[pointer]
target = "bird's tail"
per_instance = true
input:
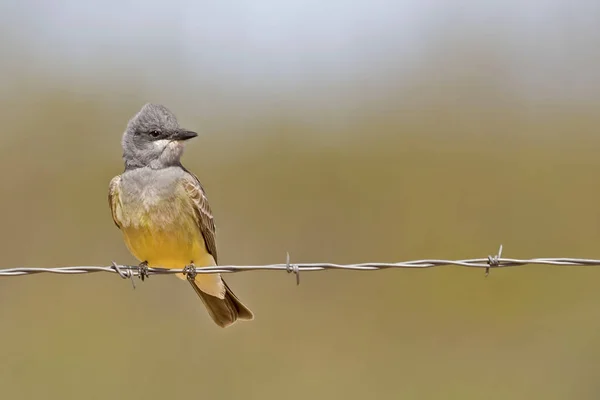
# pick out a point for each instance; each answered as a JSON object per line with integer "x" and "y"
{"x": 223, "y": 311}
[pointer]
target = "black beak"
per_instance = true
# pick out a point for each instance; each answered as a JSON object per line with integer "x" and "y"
{"x": 182, "y": 134}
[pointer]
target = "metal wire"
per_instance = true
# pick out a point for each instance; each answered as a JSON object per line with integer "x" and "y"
{"x": 128, "y": 271}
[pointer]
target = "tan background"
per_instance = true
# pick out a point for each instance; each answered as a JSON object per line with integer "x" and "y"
{"x": 448, "y": 160}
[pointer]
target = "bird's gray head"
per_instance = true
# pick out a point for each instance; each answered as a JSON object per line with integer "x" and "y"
{"x": 154, "y": 139}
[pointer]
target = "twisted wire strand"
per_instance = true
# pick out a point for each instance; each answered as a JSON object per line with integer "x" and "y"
{"x": 130, "y": 271}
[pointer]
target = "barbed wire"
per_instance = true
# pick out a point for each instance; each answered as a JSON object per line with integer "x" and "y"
{"x": 142, "y": 271}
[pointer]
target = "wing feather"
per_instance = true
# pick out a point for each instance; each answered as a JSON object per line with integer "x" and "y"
{"x": 204, "y": 214}
{"x": 113, "y": 198}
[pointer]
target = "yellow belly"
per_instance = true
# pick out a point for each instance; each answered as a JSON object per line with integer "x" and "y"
{"x": 173, "y": 245}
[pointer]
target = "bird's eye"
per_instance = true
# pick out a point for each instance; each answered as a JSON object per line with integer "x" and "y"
{"x": 155, "y": 133}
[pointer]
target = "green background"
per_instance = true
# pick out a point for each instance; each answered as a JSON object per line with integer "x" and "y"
{"x": 450, "y": 163}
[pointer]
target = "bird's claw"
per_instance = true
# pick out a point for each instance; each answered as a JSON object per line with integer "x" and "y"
{"x": 190, "y": 271}
{"x": 143, "y": 270}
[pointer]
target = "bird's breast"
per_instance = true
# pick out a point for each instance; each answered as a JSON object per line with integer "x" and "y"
{"x": 160, "y": 226}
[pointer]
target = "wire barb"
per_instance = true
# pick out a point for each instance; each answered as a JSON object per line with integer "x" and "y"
{"x": 292, "y": 268}
{"x": 124, "y": 274}
{"x": 493, "y": 261}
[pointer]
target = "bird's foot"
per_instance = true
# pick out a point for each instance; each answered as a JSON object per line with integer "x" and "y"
{"x": 143, "y": 270}
{"x": 190, "y": 271}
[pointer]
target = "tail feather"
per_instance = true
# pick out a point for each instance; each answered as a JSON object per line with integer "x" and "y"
{"x": 223, "y": 311}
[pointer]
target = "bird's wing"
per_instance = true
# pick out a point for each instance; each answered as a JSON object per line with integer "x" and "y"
{"x": 113, "y": 198}
{"x": 203, "y": 212}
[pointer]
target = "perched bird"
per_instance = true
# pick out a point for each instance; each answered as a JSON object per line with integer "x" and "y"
{"x": 162, "y": 210}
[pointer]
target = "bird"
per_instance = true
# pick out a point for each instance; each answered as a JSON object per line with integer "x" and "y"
{"x": 163, "y": 212}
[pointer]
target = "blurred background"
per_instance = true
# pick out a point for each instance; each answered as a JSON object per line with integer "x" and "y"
{"x": 341, "y": 132}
